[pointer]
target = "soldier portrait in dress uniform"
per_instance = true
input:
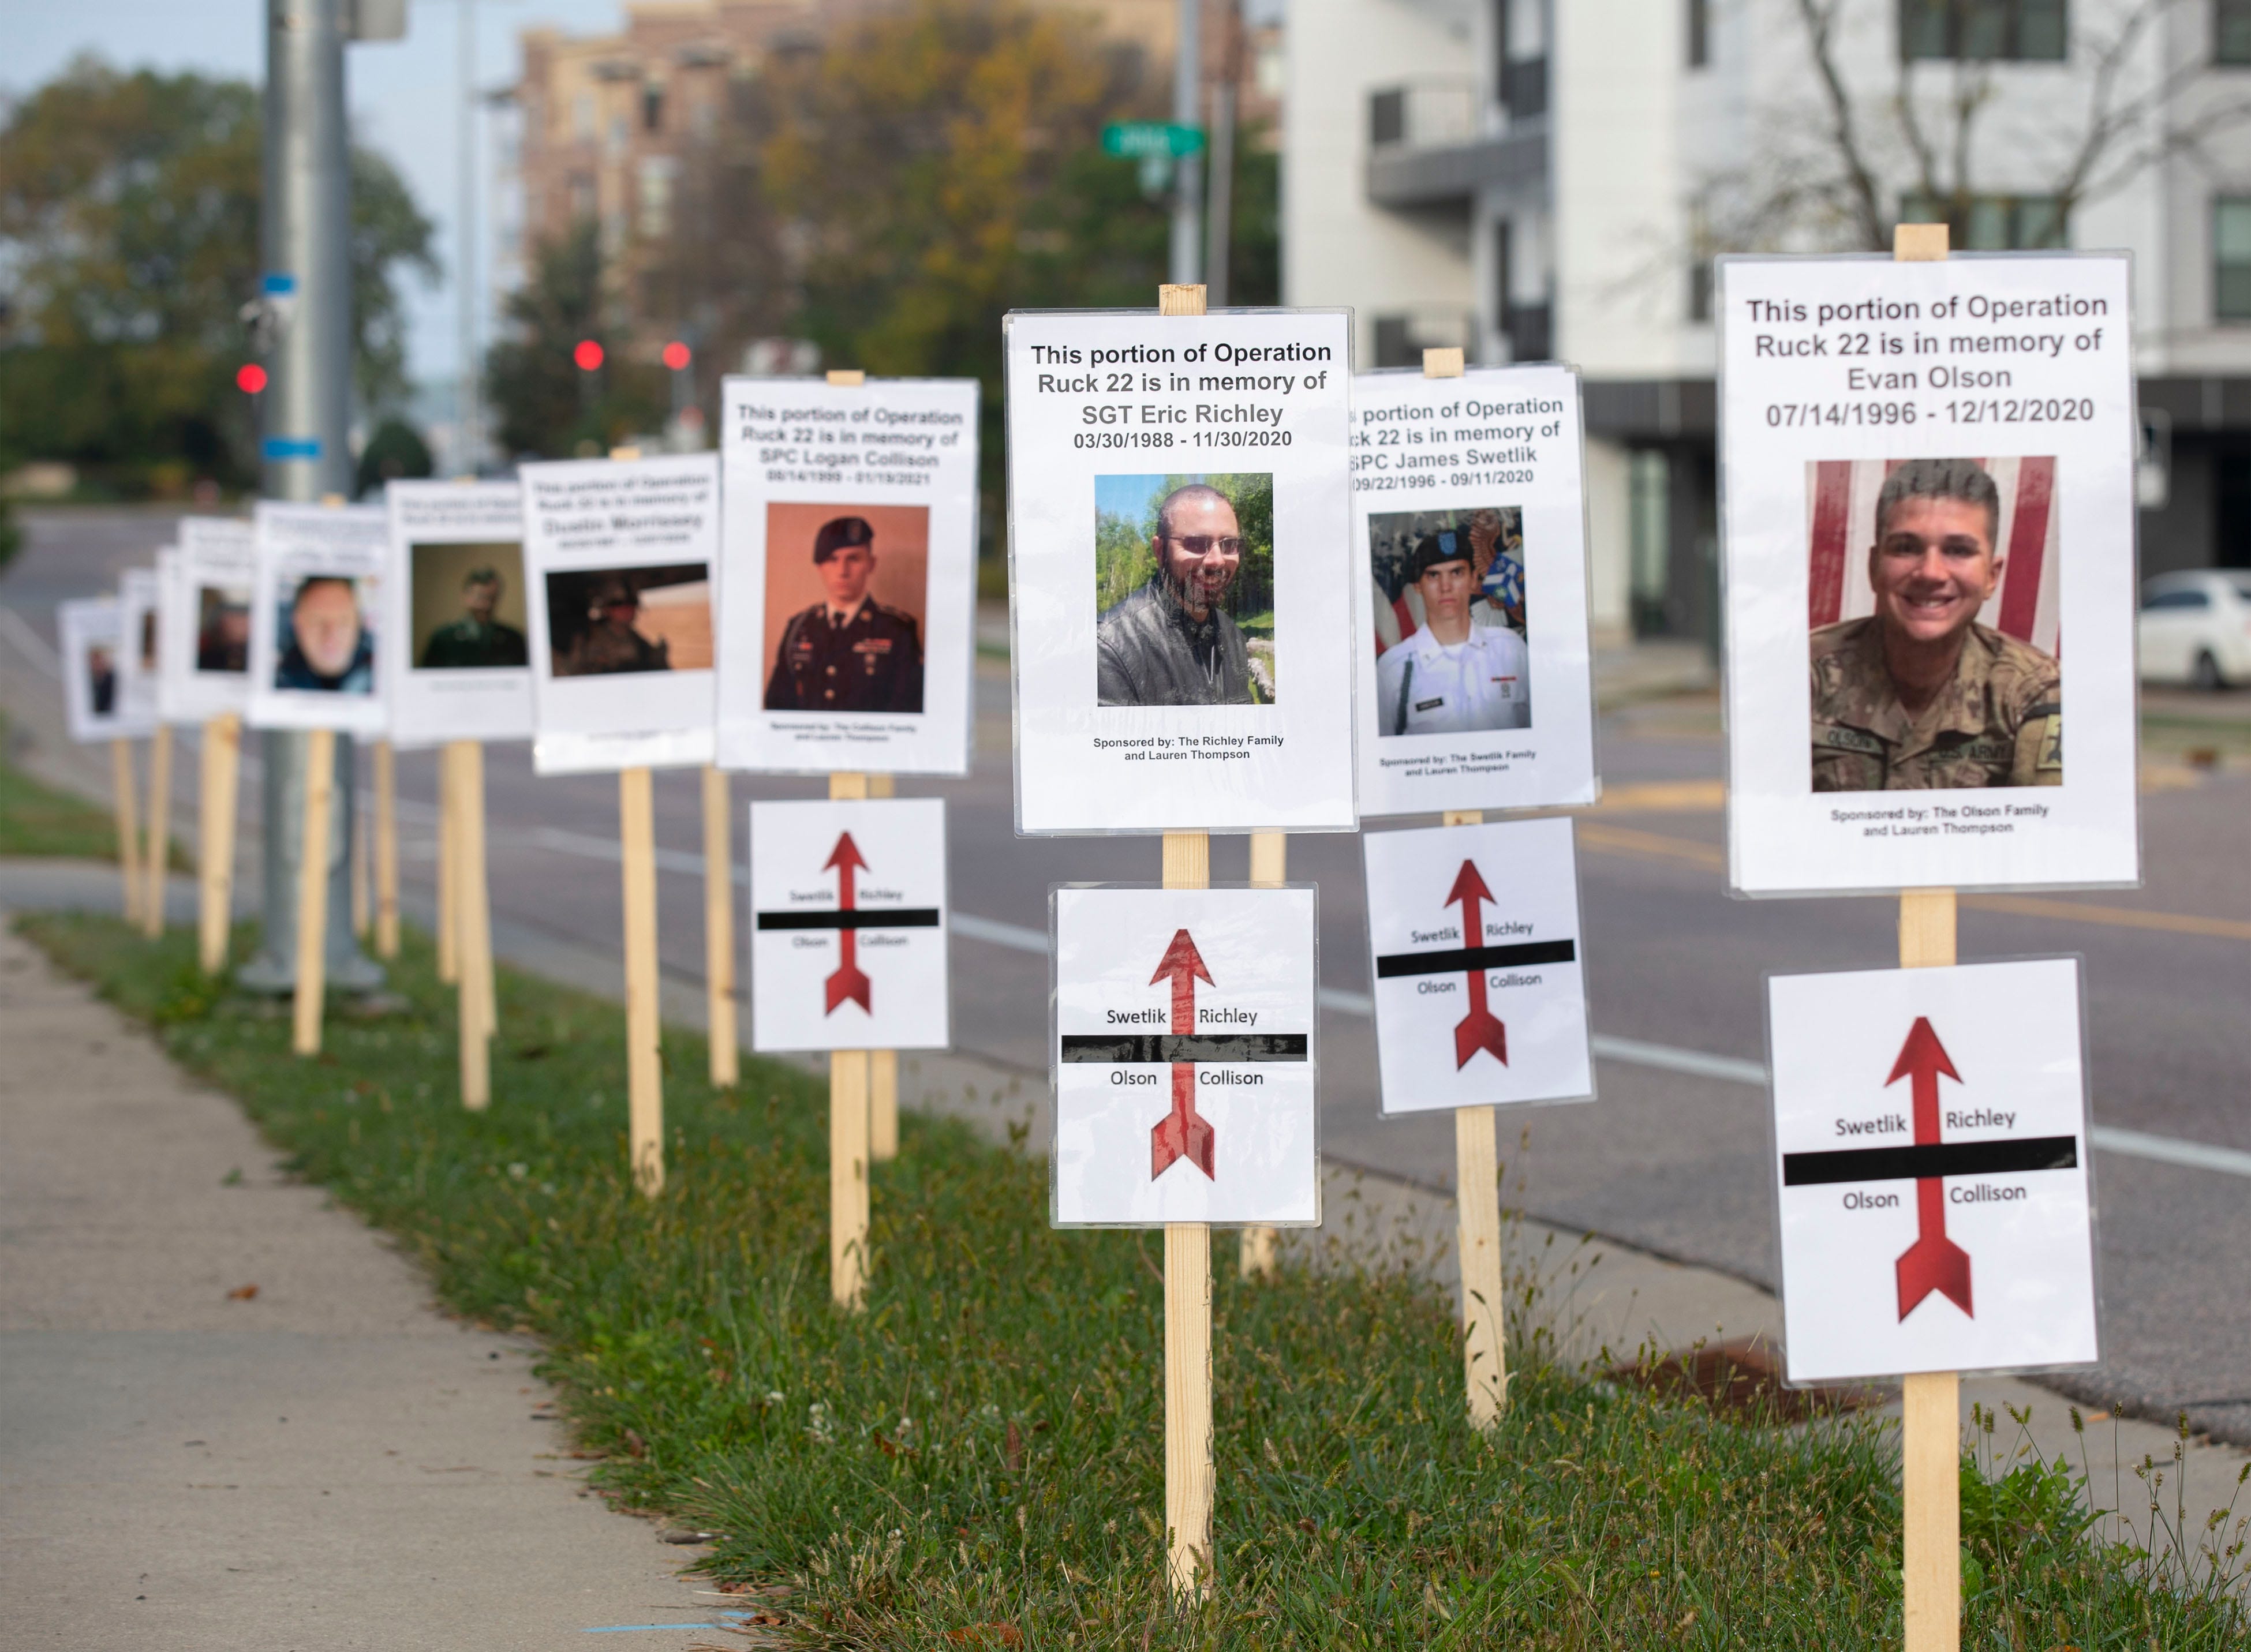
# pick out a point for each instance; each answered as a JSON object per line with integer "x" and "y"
{"x": 1920, "y": 694}
{"x": 475, "y": 633}
{"x": 848, "y": 652}
{"x": 1451, "y": 675}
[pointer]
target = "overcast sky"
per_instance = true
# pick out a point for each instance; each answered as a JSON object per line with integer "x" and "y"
{"x": 403, "y": 93}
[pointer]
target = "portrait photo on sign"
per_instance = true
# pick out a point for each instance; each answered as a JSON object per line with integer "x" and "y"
{"x": 1184, "y": 590}
{"x": 324, "y": 635}
{"x": 846, "y": 597}
{"x": 223, "y": 629}
{"x": 605, "y": 621}
{"x": 1934, "y": 589}
{"x": 1449, "y": 606}
{"x": 466, "y": 606}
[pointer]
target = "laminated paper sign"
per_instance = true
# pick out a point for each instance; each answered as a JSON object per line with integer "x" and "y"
{"x": 315, "y": 610}
{"x": 1181, "y": 571}
{"x": 847, "y": 925}
{"x": 851, "y": 538}
{"x": 1480, "y": 997}
{"x": 207, "y": 612}
{"x": 1476, "y": 690}
{"x": 456, "y": 644}
{"x": 619, "y": 557}
{"x": 91, "y": 633}
{"x": 140, "y": 659}
{"x": 1184, "y": 1057}
{"x": 1928, "y": 531}
{"x": 1930, "y": 1147}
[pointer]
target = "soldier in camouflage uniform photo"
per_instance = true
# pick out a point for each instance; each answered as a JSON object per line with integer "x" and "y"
{"x": 1919, "y": 694}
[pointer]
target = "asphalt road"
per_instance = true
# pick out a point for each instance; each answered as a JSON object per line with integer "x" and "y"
{"x": 1673, "y": 1155}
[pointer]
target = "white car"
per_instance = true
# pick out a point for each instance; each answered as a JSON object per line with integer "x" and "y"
{"x": 2196, "y": 628}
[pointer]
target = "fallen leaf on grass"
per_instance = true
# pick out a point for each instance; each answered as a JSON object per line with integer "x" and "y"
{"x": 242, "y": 1293}
{"x": 1012, "y": 1453}
{"x": 636, "y": 1445}
{"x": 891, "y": 1447}
{"x": 986, "y": 1635}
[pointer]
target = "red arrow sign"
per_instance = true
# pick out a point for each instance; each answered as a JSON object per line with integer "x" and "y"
{"x": 1934, "y": 1261}
{"x": 848, "y": 981}
{"x": 1182, "y": 1133}
{"x": 1480, "y": 1029}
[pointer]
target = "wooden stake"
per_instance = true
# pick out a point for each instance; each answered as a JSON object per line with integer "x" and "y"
{"x": 363, "y": 874}
{"x": 847, "y": 1143}
{"x": 883, "y": 1065}
{"x": 1930, "y": 1422}
{"x": 719, "y": 929}
{"x": 313, "y": 889}
{"x": 474, "y": 930}
{"x": 1270, "y": 853}
{"x": 1477, "y": 1216}
{"x": 222, "y": 769}
{"x": 128, "y": 826}
{"x": 449, "y": 904}
{"x": 386, "y": 850}
{"x": 644, "y": 1033}
{"x": 160, "y": 830}
{"x": 1187, "y": 1266}
{"x": 847, "y": 1178}
{"x": 1930, "y": 1402}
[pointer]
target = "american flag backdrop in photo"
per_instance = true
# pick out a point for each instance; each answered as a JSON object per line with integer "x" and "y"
{"x": 1843, "y": 492}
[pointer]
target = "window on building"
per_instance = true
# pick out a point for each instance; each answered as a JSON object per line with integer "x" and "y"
{"x": 1700, "y": 33}
{"x": 1992, "y": 222}
{"x": 1649, "y": 525}
{"x": 654, "y": 194}
{"x": 1387, "y": 116}
{"x": 1985, "y": 30}
{"x": 2231, "y": 31}
{"x": 652, "y": 107}
{"x": 1504, "y": 271}
{"x": 1499, "y": 45}
{"x": 2231, "y": 259}
{"x": 1700, "y": 289}
{"x": 582, "y": 117}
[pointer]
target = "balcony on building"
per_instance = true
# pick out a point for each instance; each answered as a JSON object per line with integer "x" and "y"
{"x": 1435, "y": 140}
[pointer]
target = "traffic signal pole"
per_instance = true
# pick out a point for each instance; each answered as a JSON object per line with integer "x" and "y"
{"x": 305, "y": 433}
{"x": 1188, "y": 170}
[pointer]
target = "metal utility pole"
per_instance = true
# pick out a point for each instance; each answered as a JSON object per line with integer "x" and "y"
{"x": 1188, "y": 178}
{"x": 1219, "y": 224}
{"x": 467, "y": 415}
{"x": 305, "y": 447}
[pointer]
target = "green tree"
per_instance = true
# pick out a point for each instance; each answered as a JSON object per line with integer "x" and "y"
{"x": 128, "y": 243}
{"x": 394, "y": 449}
{"x": 547, "y": 406}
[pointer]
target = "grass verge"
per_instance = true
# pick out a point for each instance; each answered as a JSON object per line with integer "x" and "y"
{"x": 976, "y": 1459}
{"x": 35, "y": 819}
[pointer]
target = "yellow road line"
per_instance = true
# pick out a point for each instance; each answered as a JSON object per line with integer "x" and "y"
{"x": 1597, "y": 834}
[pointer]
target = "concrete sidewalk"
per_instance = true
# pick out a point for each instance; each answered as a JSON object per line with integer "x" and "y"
{"x": 331, "y": 1462}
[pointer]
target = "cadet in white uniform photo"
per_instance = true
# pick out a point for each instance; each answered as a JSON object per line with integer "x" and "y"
{"x": 1451, "y": 676}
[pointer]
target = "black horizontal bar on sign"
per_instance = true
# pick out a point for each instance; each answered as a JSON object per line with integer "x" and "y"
{"x": 1464, "y": 958}
{"x": 1937, "y": 1158}
{"x": 903, "y": 917}
{"x": 1164, "y": 1048}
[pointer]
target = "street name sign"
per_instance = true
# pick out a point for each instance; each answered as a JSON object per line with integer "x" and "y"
{"x": 1183, "y": 1056}
{"x": 1931, "y": 1170}
{"x": 1140, "y": 140}
{"x": 847, "y": 925}
{"x": 1475, "y": 951}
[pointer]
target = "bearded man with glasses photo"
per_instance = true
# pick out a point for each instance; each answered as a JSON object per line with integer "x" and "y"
{"x": 1171, "y": 642}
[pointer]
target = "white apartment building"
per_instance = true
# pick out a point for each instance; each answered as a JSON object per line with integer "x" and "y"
{"x": 1539, "y": 179}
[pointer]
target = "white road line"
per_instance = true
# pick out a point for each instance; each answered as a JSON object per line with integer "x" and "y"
{"x": 1665, "y": 1057}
